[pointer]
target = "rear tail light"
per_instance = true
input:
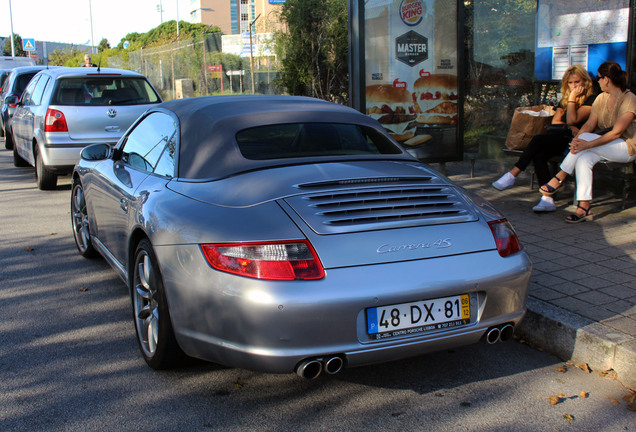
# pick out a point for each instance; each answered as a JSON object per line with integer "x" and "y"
{"x": 55, "y": 121}
{"x": 505, "y": 237}
{"x": 287, "y": 260}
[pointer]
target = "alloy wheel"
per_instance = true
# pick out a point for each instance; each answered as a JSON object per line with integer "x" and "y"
{"x": 146, "y": 304}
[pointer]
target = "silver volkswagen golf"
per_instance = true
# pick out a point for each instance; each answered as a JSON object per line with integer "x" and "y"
{"x": 288, "y": 234}
{"x": 64, "y": 109}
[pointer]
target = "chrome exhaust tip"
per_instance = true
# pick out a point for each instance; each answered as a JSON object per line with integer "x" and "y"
{"x": 309, "y": 369}
{"x": 507, "y": 332}
{"x": 492, "y": 336}
{"x": 334, "y": 365}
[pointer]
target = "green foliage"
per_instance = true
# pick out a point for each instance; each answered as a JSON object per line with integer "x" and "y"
{"x": 64, "y": 57}
{"x": 166, "y": 33}
{"x": 103, "y": 45}
{"x": 17, "y": 46}
{"x": 313, "y": 50}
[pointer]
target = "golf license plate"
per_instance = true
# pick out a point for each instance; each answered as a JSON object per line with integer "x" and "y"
{"x": 417, "y": 317}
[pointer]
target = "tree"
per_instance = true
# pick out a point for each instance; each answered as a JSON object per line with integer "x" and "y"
{"x": 314, "y": 49}
{"x": 17, "y": 46}
{"x": 62, "y": 57}
{"x": 103, "y": 45}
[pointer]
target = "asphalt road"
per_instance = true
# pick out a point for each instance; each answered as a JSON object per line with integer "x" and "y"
{"x": 69, "y": 360}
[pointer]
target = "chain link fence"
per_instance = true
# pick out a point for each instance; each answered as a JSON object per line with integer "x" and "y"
{"x": 198, "y": 67}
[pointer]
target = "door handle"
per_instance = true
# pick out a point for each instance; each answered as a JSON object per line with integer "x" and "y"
{"x": 123, "y": 203}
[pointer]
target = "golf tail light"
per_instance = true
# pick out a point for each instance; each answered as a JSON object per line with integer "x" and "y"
{"x": 55, "y": 121}
{"x": 505, "y": 237}
{"x": 286, "y": 260}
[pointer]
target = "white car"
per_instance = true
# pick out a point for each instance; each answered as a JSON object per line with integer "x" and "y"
{"x": 62, "y": 110}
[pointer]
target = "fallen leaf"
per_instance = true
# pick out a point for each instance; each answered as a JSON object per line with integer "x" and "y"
{"x": 239, "y": 384}
{"x": 629, "y": 398}
{"x": 568, "y": 417}
{"x": 602, "y": 374}
{"x": 585, "y": 367}
{"x": 561, "y": 395}
{"x": 53, "y": 233}
{"x": 29, "y": 249}
{"x": 612, "y": 400}
{"x": 83, "y": 289}
{"x": 584, "y": 394}
{"x": 554, "y": 400}
{"x": 562, "y": 369}
{"x": 631, "y": 407}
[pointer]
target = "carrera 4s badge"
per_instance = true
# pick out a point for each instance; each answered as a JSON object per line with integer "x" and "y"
{"x": 437, "y": 244}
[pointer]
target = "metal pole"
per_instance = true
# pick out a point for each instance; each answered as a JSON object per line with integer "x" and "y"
{"x": 11, "y": 19}
{"x": 205, "y": 69}
{"x": 177, "y": 19}
{"x": 90, "y": 15}
{"x": 251, "y": 55}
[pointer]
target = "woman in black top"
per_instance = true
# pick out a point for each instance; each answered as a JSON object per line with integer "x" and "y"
{"x": 571, "y": 112}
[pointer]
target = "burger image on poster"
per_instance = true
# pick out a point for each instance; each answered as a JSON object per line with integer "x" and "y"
{"x": 392, "y": 106}
{"x": 435, "y": 99}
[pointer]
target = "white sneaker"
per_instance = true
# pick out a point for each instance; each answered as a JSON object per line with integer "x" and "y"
{"x": 504, "y": 182}
{"x": 545, "y": 206}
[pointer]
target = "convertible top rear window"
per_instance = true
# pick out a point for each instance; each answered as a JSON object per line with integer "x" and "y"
{"x": 295, "y": 140}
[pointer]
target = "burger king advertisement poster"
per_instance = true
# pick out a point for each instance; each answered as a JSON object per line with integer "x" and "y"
{"x": 410, "y": 78}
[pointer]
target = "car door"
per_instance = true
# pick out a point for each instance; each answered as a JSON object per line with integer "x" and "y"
{"x": 22, "y": 122}
{"x": 117, "y": 196}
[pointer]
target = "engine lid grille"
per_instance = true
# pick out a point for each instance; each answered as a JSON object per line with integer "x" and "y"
{"x": 352, "y": 210}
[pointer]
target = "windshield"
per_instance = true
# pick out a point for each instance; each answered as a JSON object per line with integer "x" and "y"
{"x": 311, "y": 139}
{"x": 104, "y": 91}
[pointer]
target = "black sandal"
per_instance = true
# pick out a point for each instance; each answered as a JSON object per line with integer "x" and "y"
{"x": 549, "y": 189}
{"x": 574, "y": 218}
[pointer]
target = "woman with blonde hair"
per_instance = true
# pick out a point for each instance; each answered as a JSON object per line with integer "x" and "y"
{"x": 571, "y": 112}
{"x": 614, "y": 109}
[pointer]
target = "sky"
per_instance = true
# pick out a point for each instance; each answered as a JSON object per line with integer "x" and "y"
{"x": 69, "y": 20}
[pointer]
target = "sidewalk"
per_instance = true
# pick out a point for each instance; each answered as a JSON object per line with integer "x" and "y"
{"x": 582, "y": 304}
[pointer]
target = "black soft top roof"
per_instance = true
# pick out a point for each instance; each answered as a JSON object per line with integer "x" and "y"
{"x": 208, "y": 126}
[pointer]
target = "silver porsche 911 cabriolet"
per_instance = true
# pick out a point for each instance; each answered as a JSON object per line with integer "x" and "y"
{"x": 289, "y": 234}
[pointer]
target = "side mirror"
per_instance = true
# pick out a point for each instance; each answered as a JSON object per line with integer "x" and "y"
{"x": 12, "y": 100}
{"x": 96, "y": 152}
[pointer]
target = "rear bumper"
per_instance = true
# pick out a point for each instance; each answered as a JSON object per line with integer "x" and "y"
{"x": 272, "y": 326}
{"x": 62, "y": 157}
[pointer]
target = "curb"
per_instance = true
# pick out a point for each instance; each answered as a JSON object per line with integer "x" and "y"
{"x": 579, "y": 340}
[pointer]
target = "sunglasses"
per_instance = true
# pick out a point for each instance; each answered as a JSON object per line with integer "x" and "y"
{"x": 598, "y": 78}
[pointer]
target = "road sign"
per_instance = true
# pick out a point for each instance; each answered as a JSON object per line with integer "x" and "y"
{"x": 28, "y": 44}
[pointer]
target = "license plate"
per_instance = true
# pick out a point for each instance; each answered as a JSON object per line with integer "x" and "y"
{"x": 417, "y": 317}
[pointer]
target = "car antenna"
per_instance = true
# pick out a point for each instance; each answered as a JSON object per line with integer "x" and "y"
{"x": 99, "y": 64}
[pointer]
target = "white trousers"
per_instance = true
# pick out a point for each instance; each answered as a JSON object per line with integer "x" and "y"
{"x": 583, "y": 162}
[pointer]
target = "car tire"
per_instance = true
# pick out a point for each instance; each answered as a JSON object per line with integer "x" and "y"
{"x": 80, "y": 222}
{"x": 8, "y": 141}
{"x": 45, "y": 179}
{"x": 17, "y": 159}
{"x": 153, "y": 326}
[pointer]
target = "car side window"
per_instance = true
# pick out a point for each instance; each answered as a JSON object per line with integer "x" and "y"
{"x": 38, "y": 91}
{"x": 28, "y": 91}
{"x": 146, "y": 142}
{"x": 167, "y": 162}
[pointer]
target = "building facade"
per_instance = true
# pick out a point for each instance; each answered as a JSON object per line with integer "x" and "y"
{"x": 235, "y": 16}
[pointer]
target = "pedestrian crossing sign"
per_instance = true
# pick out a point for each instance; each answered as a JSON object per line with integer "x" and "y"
{"x": 28, "y": 44}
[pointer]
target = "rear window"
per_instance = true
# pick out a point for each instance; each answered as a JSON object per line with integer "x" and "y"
{"x": 104, "y": 91}
{"x": 312, "y": 139}
{"x": 22, "y": 81}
